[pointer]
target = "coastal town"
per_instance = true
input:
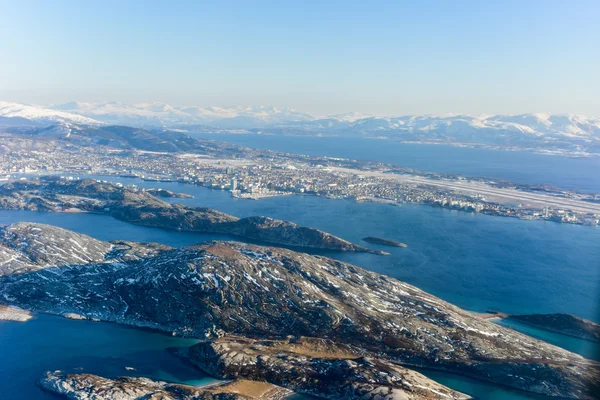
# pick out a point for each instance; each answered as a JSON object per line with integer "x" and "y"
{"x": 256, "y": 174}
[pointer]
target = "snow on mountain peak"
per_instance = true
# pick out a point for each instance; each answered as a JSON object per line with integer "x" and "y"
{"x": 457, "y": 127}
{"x": 42, "y": 114}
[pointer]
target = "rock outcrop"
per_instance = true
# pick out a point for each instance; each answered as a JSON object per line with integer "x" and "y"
{"x": 229, "y": 288}
{"x": 26, "y": 247}
{"x": 317, "y": 367}
{"x": 14, "y": 314}
{"x": 93, "y": 387}
{"x": 143, "y": 208}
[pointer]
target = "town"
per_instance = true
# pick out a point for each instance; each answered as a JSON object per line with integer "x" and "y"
{"x": 259, "y": 174}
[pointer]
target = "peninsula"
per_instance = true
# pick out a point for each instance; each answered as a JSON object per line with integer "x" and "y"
{"x": 142, "y": 207}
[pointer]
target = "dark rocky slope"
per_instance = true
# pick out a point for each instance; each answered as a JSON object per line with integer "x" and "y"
{"x": 328, "y": 370}
{"x": 566, "y": 324}
{"x": 228, "y": 288}
{"x": 26, "y": 247}
{"x": 129, "y": 138}
{"x": 141, "y": 207}
{"x": 384, "y": 242}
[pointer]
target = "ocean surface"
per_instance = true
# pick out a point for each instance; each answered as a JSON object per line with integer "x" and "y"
{"x": 581, "y": 174}
{"x": 475, "y": 261}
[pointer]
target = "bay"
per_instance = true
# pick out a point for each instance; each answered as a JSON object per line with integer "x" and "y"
{"x": 47, "y": 343}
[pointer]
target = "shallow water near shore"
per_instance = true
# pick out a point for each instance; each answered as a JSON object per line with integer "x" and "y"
{"x": 586, "y": 348}
{"x": 47, "y": 343}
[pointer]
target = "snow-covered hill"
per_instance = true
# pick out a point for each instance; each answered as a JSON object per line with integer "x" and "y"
{"x": 567, "y": 125}
{"x": 158, "y": 114}
{"x": 42, "y": 114}
{"x": 540, "y": 131}
{"x": 237, "y": 117}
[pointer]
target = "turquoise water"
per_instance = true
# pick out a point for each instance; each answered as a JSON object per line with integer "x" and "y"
{"x": 586, "y": 348}
{"x": 475, "y": 261}
{"x": 478, "y": 389}
{"x": 517, "y": 166}
{"x": 28, "y": 349}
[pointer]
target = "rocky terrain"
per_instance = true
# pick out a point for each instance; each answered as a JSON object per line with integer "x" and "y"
{"x": 14, "y": 314}
{"x": 385, "y": 242}
{"x": 328, "y": 370}
{"x": 143, "y": 208}
{"x": 93, "y": 387}
{"x": 27, "y": 247}
{"x": 168, "y": 193}
{"x": 566, "y": 324}
{"x": 222, "y": 289}
{"x": 117, "y": 136}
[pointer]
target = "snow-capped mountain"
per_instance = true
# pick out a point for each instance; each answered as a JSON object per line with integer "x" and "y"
{"x": 527, "y": 124}
{"x": 158, "y": 114}
{"x": 42, "y": 114}
{"x": 541, "y": 131}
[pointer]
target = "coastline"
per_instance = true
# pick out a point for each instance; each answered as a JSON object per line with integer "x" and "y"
{"x": 259, "y": 196}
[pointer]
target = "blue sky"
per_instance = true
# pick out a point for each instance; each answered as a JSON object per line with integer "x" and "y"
{"x": 321, "y": 57}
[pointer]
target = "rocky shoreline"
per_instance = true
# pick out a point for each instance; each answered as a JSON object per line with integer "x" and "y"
{"x": 88, "y": 387}
{"x": 14, "y": 314}
{"x": 565, "y": 324}
{"x": 141, "y": 207}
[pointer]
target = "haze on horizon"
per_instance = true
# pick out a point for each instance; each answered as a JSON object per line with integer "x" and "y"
{"x": 381, "y": 58}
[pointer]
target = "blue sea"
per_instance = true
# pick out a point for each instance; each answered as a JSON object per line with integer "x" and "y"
{"x": 476, "y": 261}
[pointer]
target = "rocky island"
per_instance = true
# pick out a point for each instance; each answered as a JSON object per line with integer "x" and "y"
{"x": 289, "y": 311}
{"x": 141, "y": 207}
{"x": 385, "y": 242}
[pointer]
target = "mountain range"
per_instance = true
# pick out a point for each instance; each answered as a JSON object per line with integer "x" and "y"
{"x": 569, "y": 132}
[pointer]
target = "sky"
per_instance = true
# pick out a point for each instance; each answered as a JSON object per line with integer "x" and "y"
{"x": 323, "y": 57}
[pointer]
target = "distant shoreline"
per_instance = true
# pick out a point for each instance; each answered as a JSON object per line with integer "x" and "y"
{"x": 547, "y": 152}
